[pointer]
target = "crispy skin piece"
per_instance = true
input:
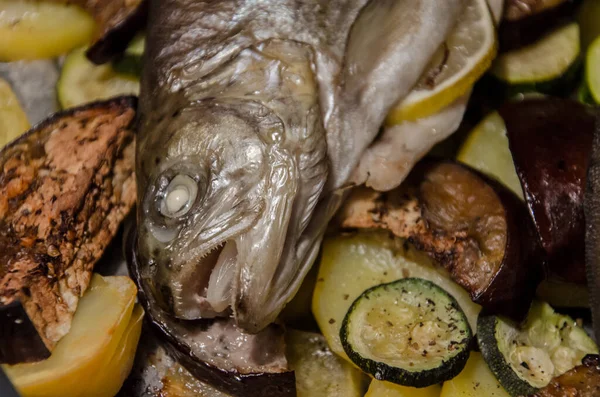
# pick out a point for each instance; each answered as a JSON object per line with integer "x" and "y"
{"x": 65, "y": 187}
{"x": 581, "y": 381}
{"x": 470, "y": 225}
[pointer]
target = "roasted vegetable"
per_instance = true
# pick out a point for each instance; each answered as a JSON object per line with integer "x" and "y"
{"x": 216, "y": 351}
{"x": 352, "y": 264}
{"x": 526, "y": 21}
{"x": 550, "y": 65}
{"x": 132, "y": 60}
{"x": 581, "y": 381}
{"x": 379, "y": 388}
{"x": 550, "y": 140}
{"x": 526, "y": 358}
{"x": 35, "y": 30}
{"x": 95, "y": 357}
{"x": 475, "y": 380}
{"x": 83, "y": 82}
{"x": 410, "y": 332}
{"x": 319, "y": 372}
{"x": 13, "y": 121}
{"x": 471, "y": 225}
{"x": 65, "y": 186}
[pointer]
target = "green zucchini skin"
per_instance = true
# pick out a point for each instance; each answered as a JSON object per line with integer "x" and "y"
{"x": 418, "y": 379}
{"x": 486, "y": 338}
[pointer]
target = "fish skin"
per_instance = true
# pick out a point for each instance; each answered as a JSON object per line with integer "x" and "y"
{"x": 591, "y": 206}
{"x": 269, "y": 106}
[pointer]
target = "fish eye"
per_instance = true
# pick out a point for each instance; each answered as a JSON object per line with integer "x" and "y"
{"x": 179, "y": 196}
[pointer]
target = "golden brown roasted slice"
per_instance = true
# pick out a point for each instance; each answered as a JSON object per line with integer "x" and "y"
{"x": 581, "y": 381}
{"x": 65, "y": 186}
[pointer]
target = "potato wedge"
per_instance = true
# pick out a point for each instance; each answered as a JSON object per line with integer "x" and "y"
{"x": 379, "y": 388}
{"x": 475, "y": 380}
{"x": 36, "y": 30}
{"x": 101, "y": 321}
{"x": 13, "y": 120}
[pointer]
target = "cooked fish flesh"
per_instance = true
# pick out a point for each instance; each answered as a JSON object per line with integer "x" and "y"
{"x": 65, "y": 187}
{"x": 253, "y": 117}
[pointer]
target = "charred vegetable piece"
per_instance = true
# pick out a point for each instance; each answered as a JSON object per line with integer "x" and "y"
{"x": 36, "y": 30}
{"x": 581, "y": 381}
{"x": 410, "y": 332}
{"x": 471, "y": 225}
{"x": 118, "y": 21}
{"x": 549, "y": 65}
{"x": 351, "y": 264}
{"x": 94, "y": 358}
{"x": 475, "y": 380}
{"x": 83, "y": 82}
{"x": 550, "y": 140}
{"x": 65, "y": 187}
{"x": 319, "y": 372}
{"x": 526, "y": 358}
{"x": 527, "y": 21}
{"x": 132, "y": 60}
{"x": 379, "y": 388}
{"x": 13, "y": 120}
{"x": 217, "y": 352}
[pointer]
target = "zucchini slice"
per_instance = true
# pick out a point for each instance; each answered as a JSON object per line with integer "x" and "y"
{"x": 319, "y": 372}
{"x": 83, "y": 82}
{"x": 526, "y": 358}
{"x": 410, "y": 332}
{"x": 350, "y": 264}
{"x": 551, "y": 65}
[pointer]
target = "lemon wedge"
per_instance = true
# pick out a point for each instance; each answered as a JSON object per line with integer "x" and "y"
{"x": 486, "y": 149}
{"x": 13, "y": 120}
{"x": 592, "y": 70}
{"x": 465, "y": 56}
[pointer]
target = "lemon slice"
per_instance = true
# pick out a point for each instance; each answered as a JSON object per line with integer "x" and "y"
{"x": 465, "y": 56}
{"x": 592, "y": 70}
{"x": 13, "y": 121}
{"x": 486, "y": 149}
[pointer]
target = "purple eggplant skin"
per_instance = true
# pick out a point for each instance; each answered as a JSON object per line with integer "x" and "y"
{"x": 115, "y": 39}
{"x": 516, "y": 33}
{"x": 592, "y": 235}
{"x": 511, "y": 288}
{"x": 550, "y": 140}
{"x": 242, "y": 385}
{"x": 19, "y": 339}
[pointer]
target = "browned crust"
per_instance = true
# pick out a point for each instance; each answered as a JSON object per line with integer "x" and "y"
{"x": 581, "y": 381}
{"x": 65, "y": 187}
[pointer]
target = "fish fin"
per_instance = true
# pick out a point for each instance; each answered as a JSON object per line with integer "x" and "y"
{"x": 592, "y": 235}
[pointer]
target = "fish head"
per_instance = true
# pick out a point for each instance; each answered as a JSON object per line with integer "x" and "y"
{"x": 205, "y": 183}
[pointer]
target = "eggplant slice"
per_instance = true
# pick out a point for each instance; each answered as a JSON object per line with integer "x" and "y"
{"x": 65, "y": 187}
{"x": 551, "y": 140}
{"x": 216, "y": 351}
{"x": 581, "y": 381}
{"x": 526, "y": 21}
{"x": 471, "y": 225}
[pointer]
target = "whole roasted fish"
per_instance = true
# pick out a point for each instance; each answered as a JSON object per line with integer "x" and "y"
{"x": 254, "y": 115}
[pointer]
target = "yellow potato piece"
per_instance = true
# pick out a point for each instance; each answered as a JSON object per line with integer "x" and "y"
{"x": 116, "y": 368}
{"x": 475, "y": 380}
{"x": 99, "y": 324}
{"x": 379, "y": 388}
{"x": 37, "y": 30}
{"x": 13, "y": 120}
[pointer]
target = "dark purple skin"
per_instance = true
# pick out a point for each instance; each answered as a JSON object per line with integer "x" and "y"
{"x": 19, "y": 340}
{"x": 114, "y": 42}
{"x": 551, "y": 140}
{"x": 514, "y": 34}
{"x": 243, "y": 385}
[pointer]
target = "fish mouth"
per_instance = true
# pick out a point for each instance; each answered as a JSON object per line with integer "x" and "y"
{"x": 206, "y": 290}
